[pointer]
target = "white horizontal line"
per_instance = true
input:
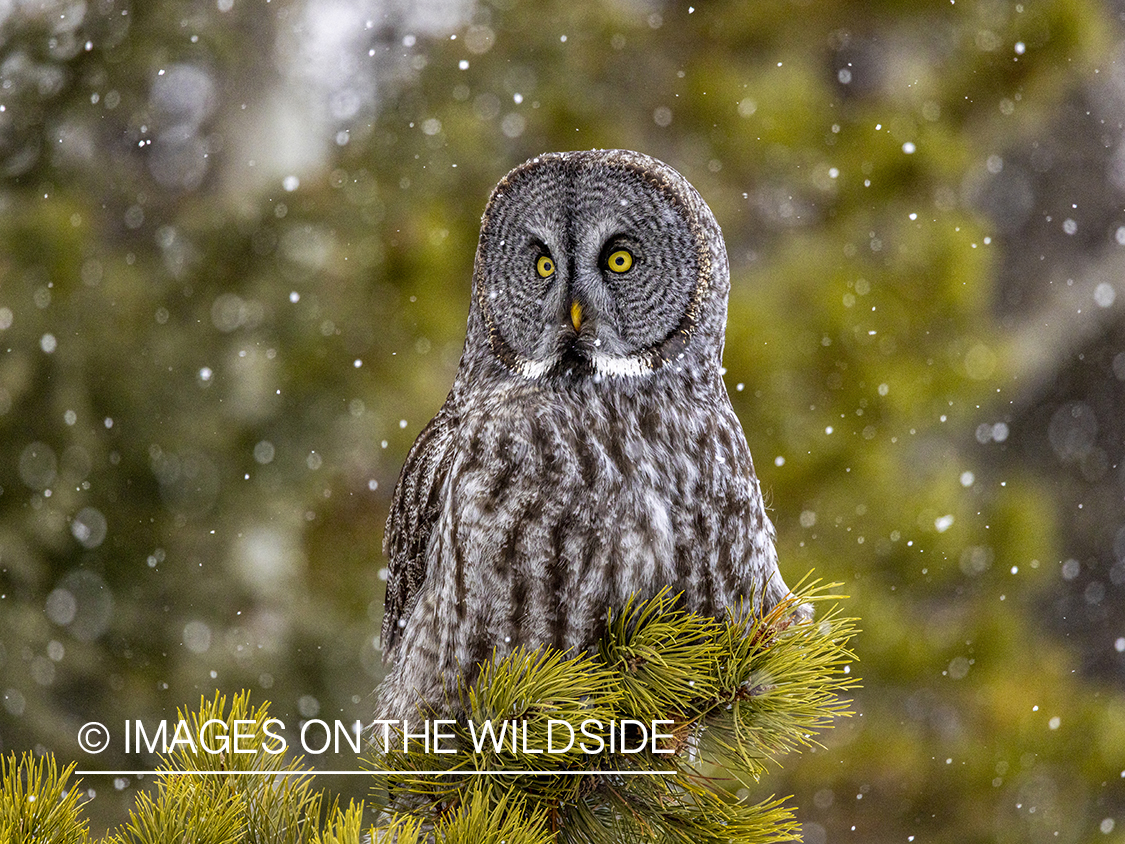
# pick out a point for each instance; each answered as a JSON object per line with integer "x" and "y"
{"x": 372, "y": 773}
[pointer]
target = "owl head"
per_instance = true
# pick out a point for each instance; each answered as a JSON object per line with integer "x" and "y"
{"x": 603, "y": 264}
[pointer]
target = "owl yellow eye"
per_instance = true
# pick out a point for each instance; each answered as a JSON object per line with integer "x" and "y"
{"x": 544, "y": 266}
{"x": 620, "y": 260}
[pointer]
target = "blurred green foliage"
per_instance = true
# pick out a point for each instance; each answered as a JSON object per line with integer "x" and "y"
{"x": 209, "y": 375}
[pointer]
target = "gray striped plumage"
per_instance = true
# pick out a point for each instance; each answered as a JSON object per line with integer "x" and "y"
{"x": 574, "y": 465}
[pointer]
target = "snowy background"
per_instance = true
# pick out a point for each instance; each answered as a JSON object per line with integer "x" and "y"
{"x": 235, "y": 248}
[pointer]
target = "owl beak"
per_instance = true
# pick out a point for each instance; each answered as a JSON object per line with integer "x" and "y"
{"x": 576, "y": 315}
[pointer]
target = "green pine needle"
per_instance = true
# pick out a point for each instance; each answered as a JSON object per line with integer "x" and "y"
{"x": 278, "y": 807}
{"x": 663, "y": 655}
{"x": 36, "y": 804}
{"x": 487, "y": 815}
{"x": 344, "y": 827}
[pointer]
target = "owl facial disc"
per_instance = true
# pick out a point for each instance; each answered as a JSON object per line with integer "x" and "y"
{"x": 595, "y": 264}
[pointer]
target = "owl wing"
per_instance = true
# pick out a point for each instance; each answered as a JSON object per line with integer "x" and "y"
{"x": 410, "y": 523}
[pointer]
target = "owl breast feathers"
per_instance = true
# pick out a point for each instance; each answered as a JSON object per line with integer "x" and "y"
{"x": 588, "y": 450}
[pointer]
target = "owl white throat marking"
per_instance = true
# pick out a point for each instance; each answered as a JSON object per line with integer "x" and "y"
{"x": 602, "y": 364}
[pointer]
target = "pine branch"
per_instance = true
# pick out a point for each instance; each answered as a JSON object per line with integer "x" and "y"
{"x": 484, "y": 816}
{"x": 35, "y": 803}
{"x": 661, "y": 655}
{"x": 731, "y": 695}
{"x": 734, "y": 694}
{"x": 278, "y": 807}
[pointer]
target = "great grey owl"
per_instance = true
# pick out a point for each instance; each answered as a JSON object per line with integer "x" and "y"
{"x": 588, "y": 449}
